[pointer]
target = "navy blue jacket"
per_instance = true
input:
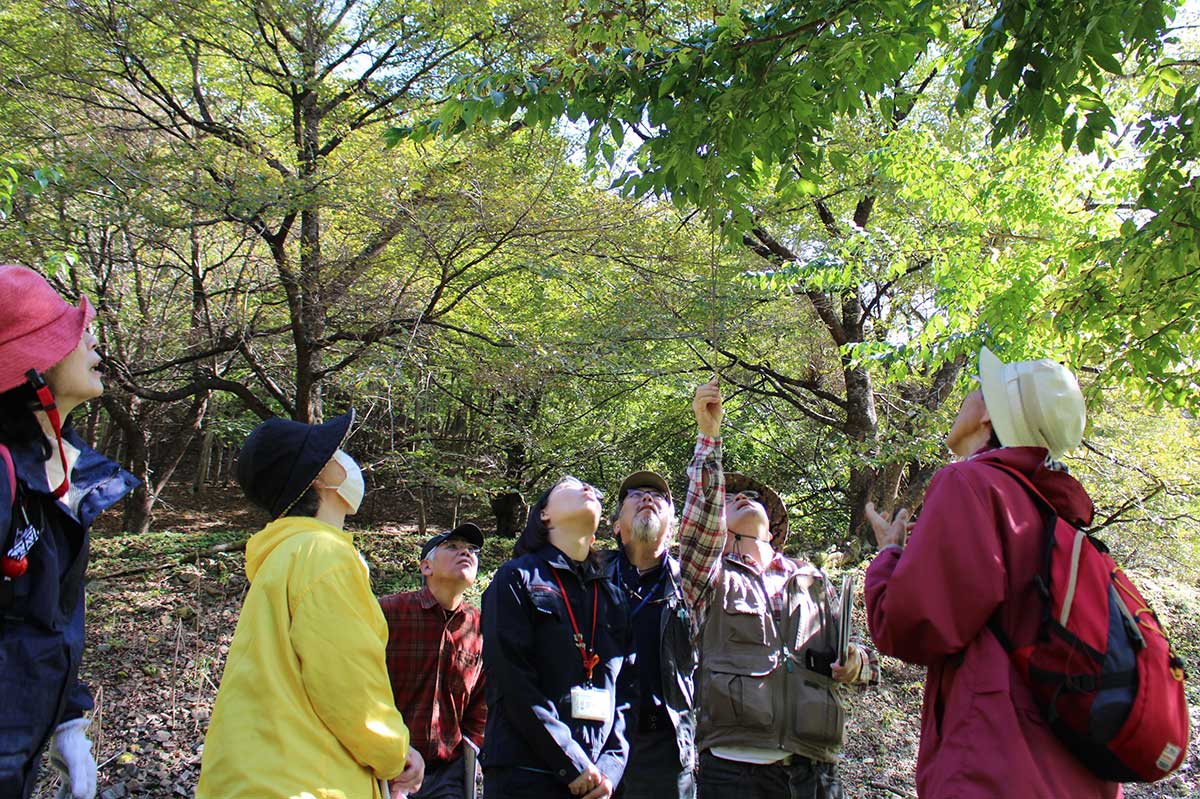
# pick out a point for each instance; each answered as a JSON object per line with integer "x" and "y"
{"x": 41, "y": 612}
{"x": 531, "y": 664}
{"x": 677, "y": 655}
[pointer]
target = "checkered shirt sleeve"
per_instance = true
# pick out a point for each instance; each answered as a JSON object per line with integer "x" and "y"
{"x": 702, "y": 527}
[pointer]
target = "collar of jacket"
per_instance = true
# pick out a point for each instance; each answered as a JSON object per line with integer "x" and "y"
{"x": 746, "y": 563}
{"x": 587, "y": 570}
{"x": 1062, "y": 490}
{"x": 428, "y": 601}
{"x": 92, "y": 471}
{"x": 669, "y": 561}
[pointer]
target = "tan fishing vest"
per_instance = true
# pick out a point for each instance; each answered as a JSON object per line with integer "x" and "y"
{"x": 764, "y": 682}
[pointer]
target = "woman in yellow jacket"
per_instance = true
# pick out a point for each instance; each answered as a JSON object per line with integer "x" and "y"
{"x": 305, "y": 707}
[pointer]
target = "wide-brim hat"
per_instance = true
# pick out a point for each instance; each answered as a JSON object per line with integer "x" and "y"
{"x": 777, "y": 517}
{"x": 643, "y": 479}
{"x": 468, "y": 532}
{"x": 38, "y": 328}
{"x": 281, "y": 458}
{"x": 1033, "y": 403}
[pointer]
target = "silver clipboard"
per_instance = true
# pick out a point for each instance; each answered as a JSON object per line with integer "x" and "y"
{"x": 845, "y": 614}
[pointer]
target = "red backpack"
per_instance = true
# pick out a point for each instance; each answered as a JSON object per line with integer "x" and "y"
{"x": 1101, "y": 667}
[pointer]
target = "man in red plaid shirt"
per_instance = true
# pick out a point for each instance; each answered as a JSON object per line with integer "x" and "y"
{"x": 434, "y": 659}
{"x": 770, "y": 718}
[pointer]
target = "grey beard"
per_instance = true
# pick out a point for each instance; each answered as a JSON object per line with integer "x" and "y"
{"x": 645, "y": 529}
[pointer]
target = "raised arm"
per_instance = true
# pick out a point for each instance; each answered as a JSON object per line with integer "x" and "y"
{"x": 702, "y": 527}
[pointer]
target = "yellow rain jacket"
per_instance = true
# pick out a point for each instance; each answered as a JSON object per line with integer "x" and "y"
{"x": 305, "y": 707}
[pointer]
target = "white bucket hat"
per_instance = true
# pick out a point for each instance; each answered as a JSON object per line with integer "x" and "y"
{"x": 1033, "y": 403}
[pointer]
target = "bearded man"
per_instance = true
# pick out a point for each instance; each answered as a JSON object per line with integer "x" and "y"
{"x": 662, "y": 757}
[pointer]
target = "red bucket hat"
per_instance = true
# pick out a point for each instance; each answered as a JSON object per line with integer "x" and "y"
{"x": 38, "y": 328}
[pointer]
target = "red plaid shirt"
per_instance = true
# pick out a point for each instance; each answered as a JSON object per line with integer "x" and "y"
{"x": 435, "y": 662}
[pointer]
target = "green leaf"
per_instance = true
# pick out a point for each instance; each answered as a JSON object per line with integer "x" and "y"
{"x": 1106, "y": 61}
{"x": 1086, "y": 140}
{"x": 1068, "y": 131}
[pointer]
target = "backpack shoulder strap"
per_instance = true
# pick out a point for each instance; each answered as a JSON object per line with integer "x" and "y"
{"x": 1043, "y": 504}
{"x": 1050, "y": 520}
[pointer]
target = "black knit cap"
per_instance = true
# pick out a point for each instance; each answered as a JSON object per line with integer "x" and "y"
{"x": 281, "y": 458}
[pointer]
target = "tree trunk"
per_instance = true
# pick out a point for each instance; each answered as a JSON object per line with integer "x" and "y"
{"x": 137, "y": 506}
{"x": 204, "y": 467}
{"x": 861, "y": 490}
{"x": 510, "y": 511}
{"x": 309, "y": 327}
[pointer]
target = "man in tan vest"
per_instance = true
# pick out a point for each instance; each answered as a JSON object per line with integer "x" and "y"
{"x": 770, "y": 718}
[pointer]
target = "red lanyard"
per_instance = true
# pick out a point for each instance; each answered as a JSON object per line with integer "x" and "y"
{"x": 46, "y": 398}
{"x": 589, "y": 660}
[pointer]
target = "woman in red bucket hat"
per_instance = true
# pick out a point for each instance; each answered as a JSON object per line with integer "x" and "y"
{"x": 52, "y": 486}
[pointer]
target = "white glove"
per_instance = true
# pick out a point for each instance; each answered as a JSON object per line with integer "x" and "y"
{"x": 71, "y": 754}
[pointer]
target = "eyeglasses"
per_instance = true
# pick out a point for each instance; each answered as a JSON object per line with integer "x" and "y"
{"x": 753, "y": 496}
{"x": 572, "y": 480}
{"x": 459, "y": 546}
{"x": 653, "y": 493}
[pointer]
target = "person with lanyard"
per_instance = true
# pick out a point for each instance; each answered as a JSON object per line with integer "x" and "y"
{"x": 435, "y": 663}
{"x": 558, "y": 660}
{"x": 771, "y": 721}
{"x": 52, "y": 487}
{"x": 662, "y": 758}
{"x": 305, "y": 707}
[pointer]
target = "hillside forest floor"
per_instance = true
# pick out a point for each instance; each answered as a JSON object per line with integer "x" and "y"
{"x": 162, "y": 608}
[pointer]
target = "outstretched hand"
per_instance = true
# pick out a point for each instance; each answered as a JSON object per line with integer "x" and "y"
{"x": 889, "y": 531}
{"x": 706, "y": 406}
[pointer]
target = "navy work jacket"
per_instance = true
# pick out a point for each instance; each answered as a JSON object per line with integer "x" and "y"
{"x": 677, "y": 655}
{"x": 41, "y": 612}
{"x": 531, "y": 663}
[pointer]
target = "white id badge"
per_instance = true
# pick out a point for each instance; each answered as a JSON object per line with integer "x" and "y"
{"x": 589, "y": 704}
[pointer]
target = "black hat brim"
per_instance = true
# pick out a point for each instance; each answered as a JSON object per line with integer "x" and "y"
{"x": 282, "y": 458}
{"x": 468, "y": 532}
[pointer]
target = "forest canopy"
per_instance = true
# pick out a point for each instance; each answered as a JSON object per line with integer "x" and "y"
{"x": 516, "y": 239}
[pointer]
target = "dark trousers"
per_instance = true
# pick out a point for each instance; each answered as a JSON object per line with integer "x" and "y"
{"x": 654, "y": 771}
{"x": 794, "y": 778}
{"x": 444, "y": 779}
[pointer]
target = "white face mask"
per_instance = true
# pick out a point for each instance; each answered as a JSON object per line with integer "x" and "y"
{"x": 352, "y": 488}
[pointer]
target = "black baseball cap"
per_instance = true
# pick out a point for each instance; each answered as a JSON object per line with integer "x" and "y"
{"x": 468, "y": 532}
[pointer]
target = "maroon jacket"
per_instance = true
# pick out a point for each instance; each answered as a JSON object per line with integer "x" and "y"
{"x": 976, "y": 548}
